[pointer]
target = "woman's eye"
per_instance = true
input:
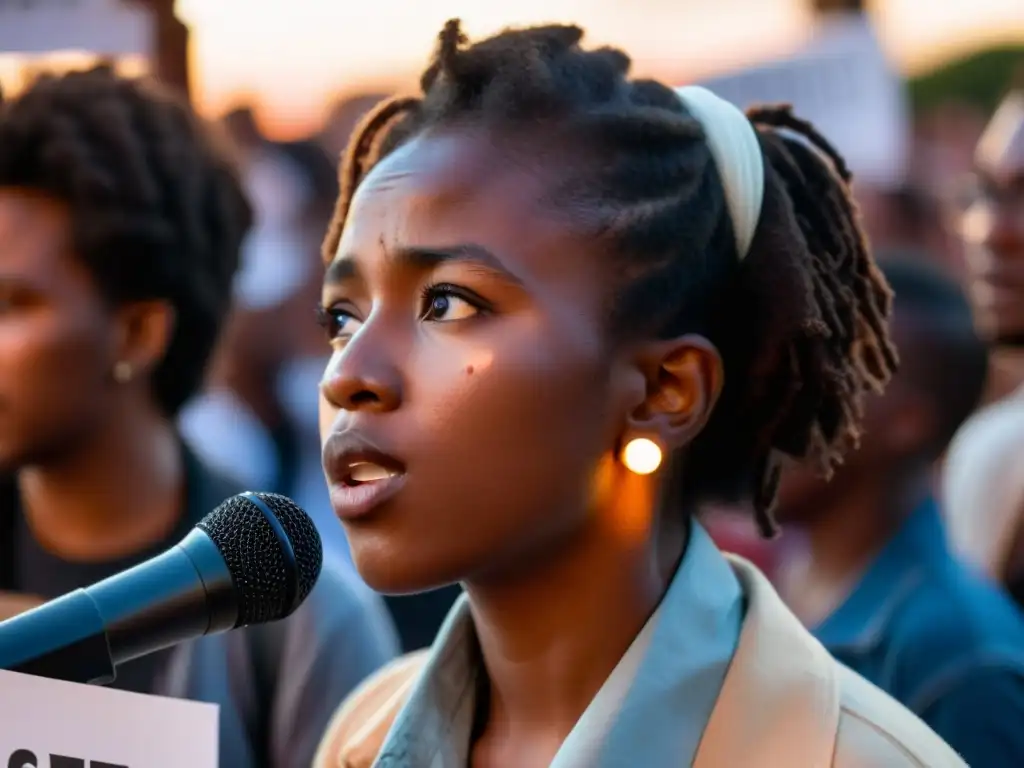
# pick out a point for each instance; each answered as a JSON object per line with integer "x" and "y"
{"x": 444, "y": 305}
{"x": 337, "y": 322}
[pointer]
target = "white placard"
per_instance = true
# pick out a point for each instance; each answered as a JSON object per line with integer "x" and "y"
{"x": 840, "y": 81}
{"x": 107, "y": 27}
{"x": 94, "y": 727}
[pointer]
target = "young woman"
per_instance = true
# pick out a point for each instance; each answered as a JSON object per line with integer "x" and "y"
{"x": 533, "y": 267}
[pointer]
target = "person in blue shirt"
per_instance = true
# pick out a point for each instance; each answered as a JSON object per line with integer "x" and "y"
{"x": 879, "y": 586}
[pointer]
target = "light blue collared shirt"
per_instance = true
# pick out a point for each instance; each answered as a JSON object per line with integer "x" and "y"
{"x": 664, "y": 712}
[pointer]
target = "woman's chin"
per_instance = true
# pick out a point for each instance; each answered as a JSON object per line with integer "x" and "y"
{"x": 402, "y": 572}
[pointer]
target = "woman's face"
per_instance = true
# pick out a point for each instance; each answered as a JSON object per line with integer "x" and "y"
{"x": 471, "y": 367}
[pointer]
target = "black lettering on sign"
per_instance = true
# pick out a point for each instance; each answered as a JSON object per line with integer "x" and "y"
{"x": 22, "y": 758}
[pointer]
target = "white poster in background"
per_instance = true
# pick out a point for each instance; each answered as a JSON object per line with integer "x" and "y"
{"x": 52, "y": 724}
{"x": 107, "y": 27}
{"x": 842, "y": 82}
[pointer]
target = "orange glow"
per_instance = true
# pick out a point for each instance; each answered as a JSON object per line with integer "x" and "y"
{"x": 625, "y": 500}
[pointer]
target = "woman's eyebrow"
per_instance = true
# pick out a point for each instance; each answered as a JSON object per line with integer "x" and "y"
{"x": 346, "y": 267}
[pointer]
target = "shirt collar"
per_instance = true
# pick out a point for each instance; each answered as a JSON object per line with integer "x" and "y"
{"x": 917, "y": 547}
{"x": 670, "y": 700}
{"x": 681, "y": 675}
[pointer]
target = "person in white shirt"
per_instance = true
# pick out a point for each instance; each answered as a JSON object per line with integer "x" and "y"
{"x": 983, "y": 481}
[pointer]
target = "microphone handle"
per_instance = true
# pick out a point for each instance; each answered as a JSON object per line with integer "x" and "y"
{"x": 81, "y": 637}
{"x": 63, "y": 639}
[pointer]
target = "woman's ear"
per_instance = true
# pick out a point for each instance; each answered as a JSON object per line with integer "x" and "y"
{"x": 684, "y": 379}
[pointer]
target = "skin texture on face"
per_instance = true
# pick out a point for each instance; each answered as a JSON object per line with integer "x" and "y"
{"x": 57, "y": 338}
{"x": 993, "y": 226}
{"x": 471, "y": 346}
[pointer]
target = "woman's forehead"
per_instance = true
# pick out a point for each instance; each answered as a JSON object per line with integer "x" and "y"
{"x": 456, "y": 163}
{"x": 460, "y": 185}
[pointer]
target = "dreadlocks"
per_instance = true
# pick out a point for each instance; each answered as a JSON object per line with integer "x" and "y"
{"x": 800, "y": 322}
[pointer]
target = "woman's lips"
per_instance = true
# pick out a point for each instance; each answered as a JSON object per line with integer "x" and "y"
{"x": 353, "y": 501}
{"x": 361, "y": 476}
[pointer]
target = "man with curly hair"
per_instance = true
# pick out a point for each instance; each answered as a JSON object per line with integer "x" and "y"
{"x": 121, "y": 222}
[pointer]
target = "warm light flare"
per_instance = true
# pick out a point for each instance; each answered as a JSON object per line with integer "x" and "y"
{"x": 641, "y": 456}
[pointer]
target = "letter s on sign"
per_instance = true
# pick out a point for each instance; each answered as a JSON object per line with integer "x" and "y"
{"x": 22, "y": 758}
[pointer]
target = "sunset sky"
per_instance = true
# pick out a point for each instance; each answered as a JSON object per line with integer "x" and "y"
{"x": 294, "y": 56}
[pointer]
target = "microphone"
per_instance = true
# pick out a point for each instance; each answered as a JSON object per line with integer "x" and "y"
{"x": 254, "y": 559}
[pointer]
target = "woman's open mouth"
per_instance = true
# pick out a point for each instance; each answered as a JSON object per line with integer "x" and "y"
{"x": 361, "y": 478}
{"x": 363, "y": 489}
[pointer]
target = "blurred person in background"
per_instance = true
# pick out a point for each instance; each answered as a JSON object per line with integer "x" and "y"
{"x": 238, "y": 424}
{"x": 250, "y": 421}
{"x": 243, "y": 128}
{"x": 250, "y": 393}
{"x": 290, "y": 350}
{"x": 906, "y": 219}
{"x": 121, "y": 221}
{"x": 878, "y": 584}
{"x": 343, "y": 117}
{"x": 992, "y": 225}
{"x": 983, "y": 485}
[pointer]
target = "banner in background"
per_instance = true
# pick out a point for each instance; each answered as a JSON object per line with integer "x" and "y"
{"x": 108, "y": 27}
{"x": 842, "y": 82}
{"x": 48, "y": 723}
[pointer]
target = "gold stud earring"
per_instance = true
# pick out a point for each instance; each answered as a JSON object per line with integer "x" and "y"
{"x": 123, "y": 372}
{"x": 641, "y": 456}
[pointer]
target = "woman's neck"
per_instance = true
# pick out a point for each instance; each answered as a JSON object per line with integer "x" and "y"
{"x": 118, "y": 493}
{"x": 551, "y": 637}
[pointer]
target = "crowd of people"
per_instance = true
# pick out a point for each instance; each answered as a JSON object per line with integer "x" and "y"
{"x": 520, "y": 270}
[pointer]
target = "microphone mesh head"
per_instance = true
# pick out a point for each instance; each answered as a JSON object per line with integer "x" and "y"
{"x": 268, "y": 583}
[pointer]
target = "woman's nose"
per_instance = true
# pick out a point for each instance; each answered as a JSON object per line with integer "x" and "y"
{"x": 361, "y": 378}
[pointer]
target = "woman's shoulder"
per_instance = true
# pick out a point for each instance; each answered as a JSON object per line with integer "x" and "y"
{"x": 358, "y": 728}
{"x": 875, "y": 730}
{"x": 783, "y": 681}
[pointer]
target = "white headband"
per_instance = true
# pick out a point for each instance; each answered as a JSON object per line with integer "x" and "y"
{"x": 733, "y": 144}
